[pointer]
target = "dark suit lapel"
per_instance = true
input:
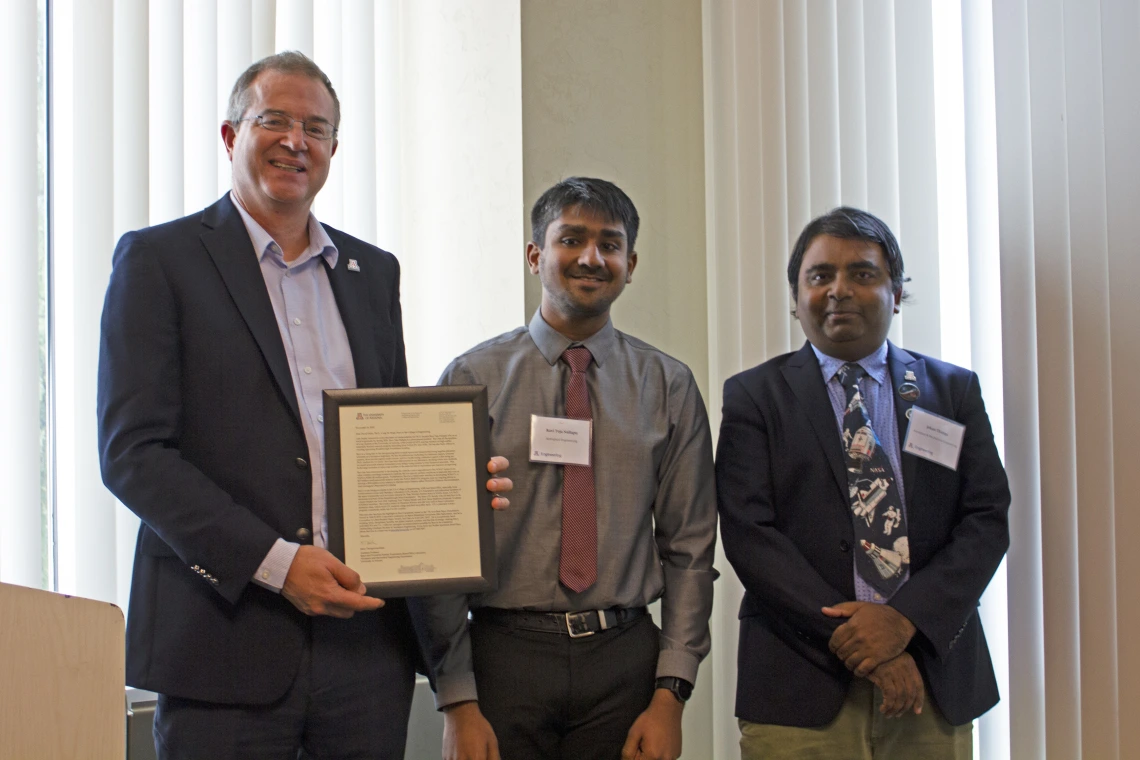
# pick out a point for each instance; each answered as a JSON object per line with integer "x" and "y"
{"x": 803, "y": 374}
{"x": 901, "y": 363}
{"x": 350, "y": 288}
{"x": 227, "y": 241}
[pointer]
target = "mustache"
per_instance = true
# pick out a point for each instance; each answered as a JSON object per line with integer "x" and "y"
{"x": 577, "y": 270}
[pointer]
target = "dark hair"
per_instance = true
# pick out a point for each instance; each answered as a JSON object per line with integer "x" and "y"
{"x": 289, "y": 62}
{"x": 597, "y": 195}
{"x": 851, "y": 224}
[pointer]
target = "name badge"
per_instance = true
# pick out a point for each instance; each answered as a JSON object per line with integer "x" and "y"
{"x": 935, "y": 438}
{"x": 560, "y": 440}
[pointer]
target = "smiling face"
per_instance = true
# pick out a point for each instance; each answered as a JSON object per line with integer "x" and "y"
{"x": 584, "y": 264}
{"x": 279, "y": 173}
{"x": 845, "y": 301}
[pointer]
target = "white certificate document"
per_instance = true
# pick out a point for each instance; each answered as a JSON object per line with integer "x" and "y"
{"x": 935, "y": 438}
{"x": 560, "y": 440}
{"x": 408, "y": 469}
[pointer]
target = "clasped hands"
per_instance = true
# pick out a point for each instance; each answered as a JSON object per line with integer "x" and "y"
{"x": 320, "y": 584}
{"x": 871, "y": 642}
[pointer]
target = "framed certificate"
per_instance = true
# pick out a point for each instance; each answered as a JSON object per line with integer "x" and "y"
{"x": 406, "y": 472}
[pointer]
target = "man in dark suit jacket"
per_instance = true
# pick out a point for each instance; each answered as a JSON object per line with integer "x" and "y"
{"x": 219, "y": 332}
{"x": 859, "y": 631}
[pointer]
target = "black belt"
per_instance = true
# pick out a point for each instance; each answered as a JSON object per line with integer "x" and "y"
{"x": 572, "y": 624}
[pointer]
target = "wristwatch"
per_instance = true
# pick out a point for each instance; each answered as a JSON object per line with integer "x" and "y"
{"x": 681, "y": 688}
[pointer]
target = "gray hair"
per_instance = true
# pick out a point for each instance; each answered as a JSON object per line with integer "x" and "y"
{"x": 289, "y": 62}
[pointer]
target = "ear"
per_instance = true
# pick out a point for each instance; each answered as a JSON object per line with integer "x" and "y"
{"x": 229, "y": 134}
{"x": 898, "y": 299}
{"x": 336, "y": 143}
{"x": 631, "y": 260}
{"x": 533, "y": 253}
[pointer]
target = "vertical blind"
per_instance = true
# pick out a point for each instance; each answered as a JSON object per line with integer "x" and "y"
{"x": 880, "y": 104}
{"x": 999, "y": 141}
{"x": 138, "y": 92}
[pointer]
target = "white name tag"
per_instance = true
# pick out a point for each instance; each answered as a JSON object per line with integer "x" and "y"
{"x": 935, "y": 438}
{"x": 560, "y": 440}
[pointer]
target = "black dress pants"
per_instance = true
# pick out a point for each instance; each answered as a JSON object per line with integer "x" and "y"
{"x": 550, "y": 696}
{"x": 351, "y": 699}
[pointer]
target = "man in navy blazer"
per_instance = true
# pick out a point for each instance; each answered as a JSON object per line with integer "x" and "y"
{"x": 841, "y": 655}
{"x": 219, "y": 333}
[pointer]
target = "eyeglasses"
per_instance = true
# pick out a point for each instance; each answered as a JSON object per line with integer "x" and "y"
{"x": 279, "y": 122}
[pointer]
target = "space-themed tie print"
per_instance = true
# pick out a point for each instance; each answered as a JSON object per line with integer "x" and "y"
{"x": 882, "y": 556}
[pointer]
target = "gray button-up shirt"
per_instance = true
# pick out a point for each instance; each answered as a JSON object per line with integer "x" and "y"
{"x": 653, "y": 476}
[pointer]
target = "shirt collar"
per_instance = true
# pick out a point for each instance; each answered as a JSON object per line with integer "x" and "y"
{"x": 320, "y": 244}
{"x": 874, "y": 364}
{"x": 552, "y": 343}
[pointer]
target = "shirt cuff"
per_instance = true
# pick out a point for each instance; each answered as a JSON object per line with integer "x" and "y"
{"x": 677, "y": 663}
{"x": 455, "y": 689}
{"x": 271, "y": 574}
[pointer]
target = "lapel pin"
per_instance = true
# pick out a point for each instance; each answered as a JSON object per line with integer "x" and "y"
{"x": 910, "y": 376}
{"x": 908, "y": 391}
{"x": 353, "y": 266}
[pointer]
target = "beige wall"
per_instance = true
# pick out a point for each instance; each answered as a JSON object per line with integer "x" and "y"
{"x": 612, "y": 88}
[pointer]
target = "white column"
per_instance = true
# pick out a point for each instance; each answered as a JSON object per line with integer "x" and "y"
{"x": 954, "y": 295}
{"x": 1054, "y": 316}
{"x": 985, "y": 313}
{"x": 358, "y": 131}
{"x": 295, "y": 26}
{"x": 797, "y": 116}
{"x": 386, "y": 53}
{"x": 328, "y": 52}
{"x": 822, "y": 53}
{"x": 1093, "y": 393}
{"x": 203, "y": 150}
{"x": 462, "y": 129}
{"x": 1019, "y": 360}
{"x": 852, "y": 93}
{"x": 781, "y": 332}
{"x": 81, "y": 264}
{"x": 1120, "y": 58}
{"x": 917, "y": 229}
{"x": 166, "y": 122}
{"x": 131, "y": 194}
{"x": 22, "y": 539}
{"x": 236, "y": 32}
{"x": 264, "y": 23}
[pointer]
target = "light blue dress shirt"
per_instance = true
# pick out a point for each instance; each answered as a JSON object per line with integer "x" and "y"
{"x": 316, "y": 346}
{"x": 879, "y": 398}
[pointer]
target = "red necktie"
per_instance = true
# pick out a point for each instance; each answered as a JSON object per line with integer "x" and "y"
{"x": 578, "y": 563}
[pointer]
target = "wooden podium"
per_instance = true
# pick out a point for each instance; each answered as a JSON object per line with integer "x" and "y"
{"x": 62, "y": 675}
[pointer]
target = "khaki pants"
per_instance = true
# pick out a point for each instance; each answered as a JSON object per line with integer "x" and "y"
{"x": 861, "y": 732}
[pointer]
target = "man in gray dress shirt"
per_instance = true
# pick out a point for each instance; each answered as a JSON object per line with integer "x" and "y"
{"x": 584, "y": 673}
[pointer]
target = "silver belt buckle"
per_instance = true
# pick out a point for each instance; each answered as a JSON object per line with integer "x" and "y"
{"x": 577, "y": 626}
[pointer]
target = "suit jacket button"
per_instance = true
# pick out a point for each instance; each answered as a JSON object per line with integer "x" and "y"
{"x": 304, "y": 534}
{"x": 844, "y": 546}
{"x": 302, "y": 463}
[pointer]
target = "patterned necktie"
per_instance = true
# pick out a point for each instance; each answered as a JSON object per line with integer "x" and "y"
{"x": 578, "y": 562}
{"x": 876, "y": 513}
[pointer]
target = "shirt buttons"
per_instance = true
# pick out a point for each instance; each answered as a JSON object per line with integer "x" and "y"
{"x": 264, "y": 575}
{"x": 296, "y": 320}
{"x": 308, "y": 370}
{"x": 878, "y": 597}
{"x": 320, "y": 418}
